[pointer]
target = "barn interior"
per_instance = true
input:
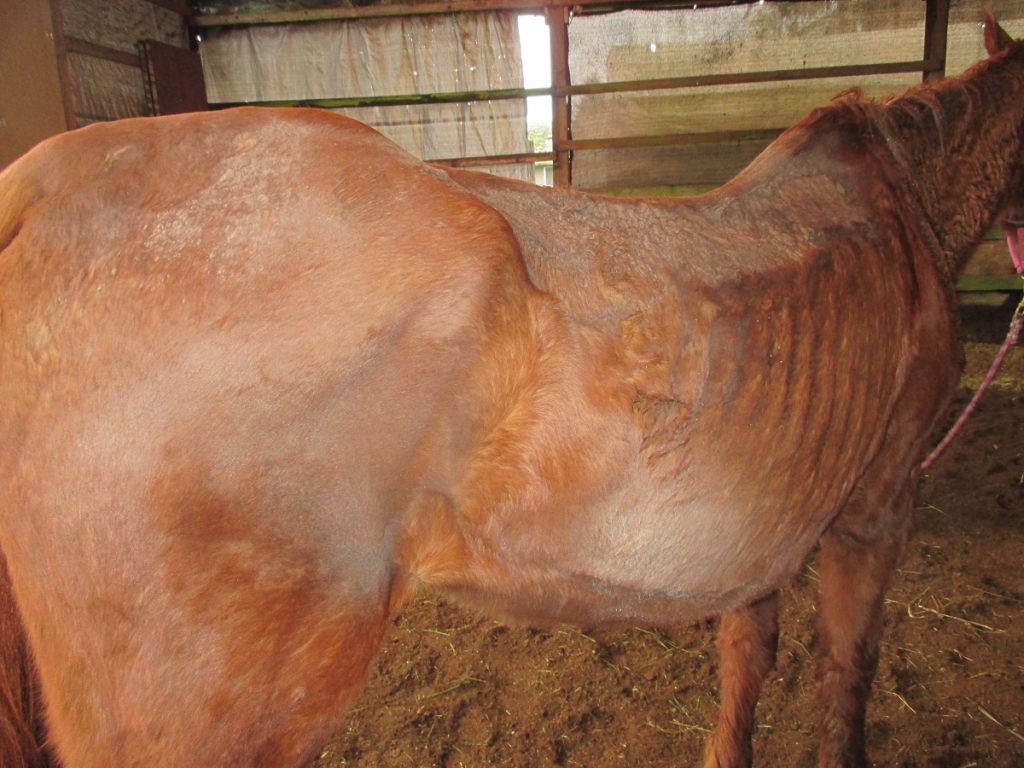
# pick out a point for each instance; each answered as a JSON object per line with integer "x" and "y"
{"x": 621, "y": 98}
{"x": 624, "y": 97}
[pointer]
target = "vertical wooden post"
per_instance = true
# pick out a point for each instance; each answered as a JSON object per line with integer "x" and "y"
{"x": 561, "y": 129}
{"x": 63, "y": 67}
{"x": 936, "y": 28}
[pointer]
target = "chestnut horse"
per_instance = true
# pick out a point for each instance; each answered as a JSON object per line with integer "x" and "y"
{"x": 263, "y": 375}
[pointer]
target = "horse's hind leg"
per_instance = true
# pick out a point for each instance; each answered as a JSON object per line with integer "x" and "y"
{"x": 747, "y": 641}
{"x": 227, "y": 639}
{"x": 270, "y": 701}
{"x": 857, "y": 558}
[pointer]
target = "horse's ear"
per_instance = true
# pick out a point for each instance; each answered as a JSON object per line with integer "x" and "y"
{"x": 996, "y": 38}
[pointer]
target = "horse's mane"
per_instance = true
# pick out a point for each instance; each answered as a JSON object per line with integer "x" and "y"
{"x": 938, "y": 136}
{"x": 932, "y": 115}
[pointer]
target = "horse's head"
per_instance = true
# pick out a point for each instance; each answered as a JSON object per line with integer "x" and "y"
{"x": 998, "y": 40}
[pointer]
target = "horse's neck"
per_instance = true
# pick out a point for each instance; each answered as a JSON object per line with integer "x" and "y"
{"x": 960, "y": 148}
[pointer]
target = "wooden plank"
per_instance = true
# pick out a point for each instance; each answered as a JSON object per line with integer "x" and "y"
{"x": 63, "y": 67}
{"x": 561, "y": 115}
{"x": 348, "y": 12}
{"x": 401, "y": 99}
{"x": 983, "y": 283}
{"x": 673, "y": 139}
{"x": 990, "y": 268}
{"x": 990, "y": 258}
{"x": 698, "y": 81}
{"x": 473, "y": 162}
{"x": 608, "y": 6}
{"x": 33, "y": 110}
{"x": 936, "y": 28}
{"x": 174, "y": 78}
{"x": 665, "y": 190}
{"x": 84, "y": 47}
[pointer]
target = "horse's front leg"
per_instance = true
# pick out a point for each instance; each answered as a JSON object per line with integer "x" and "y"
{"x": 857, "y": 558}
{"x": 747, "y": 641}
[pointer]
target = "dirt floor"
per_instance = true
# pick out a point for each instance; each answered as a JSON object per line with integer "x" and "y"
{"x": 454, "y": 688}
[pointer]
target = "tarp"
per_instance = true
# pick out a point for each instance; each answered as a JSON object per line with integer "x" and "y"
{"x": 386, "y": 57}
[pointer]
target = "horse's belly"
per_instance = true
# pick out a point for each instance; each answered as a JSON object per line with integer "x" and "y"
{"x": 702, "y": 558}
{"x": 643, "y": 556}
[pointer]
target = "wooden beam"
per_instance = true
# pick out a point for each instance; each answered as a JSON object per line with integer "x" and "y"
{"x": 63, "y": 68}
{"x": 936, "y": 28}
{"x": 350, "y": 102}
{"x": 85, "y": 48}
{"x": 343, "y": 12}
{"x": 674, "y": 139}
{"x": 561, "y": 107}
{"x": 698, "y": 81}
{"x": 982, "y": 283}
{"x": 475, "y": 162}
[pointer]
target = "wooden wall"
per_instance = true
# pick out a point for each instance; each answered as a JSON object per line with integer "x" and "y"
{"x": 103, "y": 62}
{"x": 31, "y": 106}
{"x": 67, "y": 63}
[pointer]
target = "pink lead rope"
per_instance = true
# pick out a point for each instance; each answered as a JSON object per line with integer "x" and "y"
{"x": 1013, "y": 241}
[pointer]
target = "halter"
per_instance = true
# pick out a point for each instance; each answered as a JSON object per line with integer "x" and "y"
{"x": 1014, "y": 240}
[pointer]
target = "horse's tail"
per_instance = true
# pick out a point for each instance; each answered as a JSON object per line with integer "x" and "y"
{"x": 22, "y": 731}
{"x": 19, "y": 188}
